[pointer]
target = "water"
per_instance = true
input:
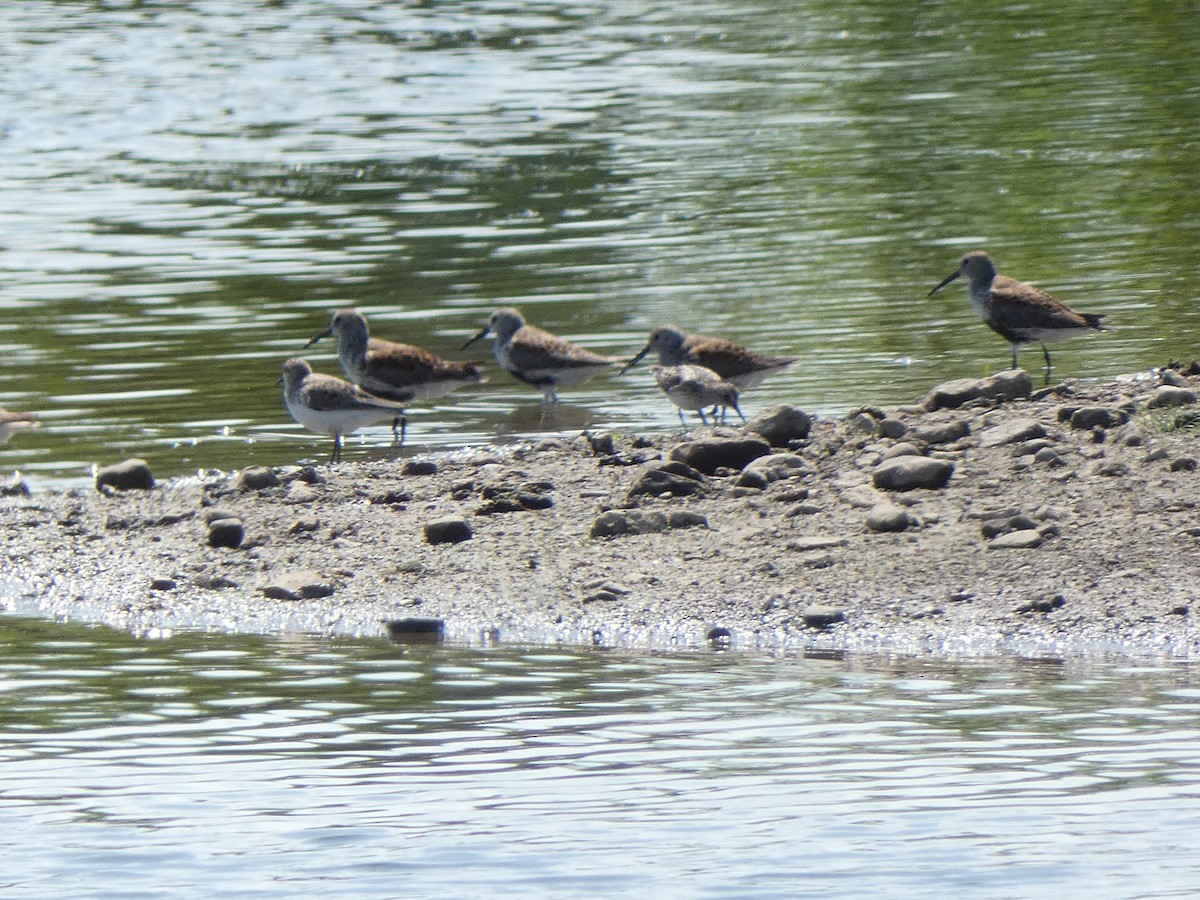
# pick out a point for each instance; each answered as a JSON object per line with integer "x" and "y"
{"x": 187, "y": 189}
{"x": 299, "y": 766}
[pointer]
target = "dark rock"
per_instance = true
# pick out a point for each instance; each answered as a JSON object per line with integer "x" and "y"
{"x": 217, "y": 513}
{"x": 1012, "y": 384}
{"x": 1183, "y": 464}
{"x": 614, "y": 523}
{"x": 778, "y": 467}
{"x": 940, "y": 432}
{"x": 448, "y": 531}
{"x": 226, "y": 533}
{"x": 820, "y": 616}
{"x": 130, "y": 475}
{"x": 416, "y": 630}
{"x": 993, "y": 528}
{"x": 1168, "y": 396}
{"x": 884, "y": 517}
{"x": 305, "y": 525}
{"x": 1113, "y": 468}
{"x": 1089, "y": 417}
{"x": 214, "y": 582}
{"x": 1050, "y": 457}
{"x": 709, "y": 454}
{"x": 15, "y": 487}
{"x": 601, "y": 444}
{"x": 892, "y": 428}
{"x": 1044, "y": 604}
{"x": 256, "y": 478}
{"x": 394, "y": 497}
{"x": 907, "y": 473}
{"x": 903, "y": 448}
{"x": 298, "y": 585}
{"x": 164, "y": 584}
{"x": 751, "y": 479}
{"x": 719, "y": 638}
{"x": 780, "y": 425}
{"x": 416, "y": 467}
{"x": 667, "y": 480}
{"x": 1013, "y": 432}
{"x": 686, "y": 518}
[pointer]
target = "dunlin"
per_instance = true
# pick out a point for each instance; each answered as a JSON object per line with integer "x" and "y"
{"x": 12, "y": 422}
{"x": 398, "y": 372}
{"x": 538, "y": 357}
{"x": 740, "y": 366}
{"x": 327, "y": 405}
{"x": 696, "y": 388}
{"x": 1018, "y": 312}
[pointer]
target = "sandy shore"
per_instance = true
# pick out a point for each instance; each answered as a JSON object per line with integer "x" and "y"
{"x": 988, "y": 516}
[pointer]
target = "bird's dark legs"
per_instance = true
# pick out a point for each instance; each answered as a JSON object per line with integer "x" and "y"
{"x": 399, "y": 429}
{"x": 682, "y": 420}
{"x": 337, "y": 450}
{"x": 700, "y": 413}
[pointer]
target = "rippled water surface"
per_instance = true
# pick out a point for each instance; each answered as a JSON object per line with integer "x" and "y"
{"x": 295, "y": 767}
{"x": 188, "y": 188}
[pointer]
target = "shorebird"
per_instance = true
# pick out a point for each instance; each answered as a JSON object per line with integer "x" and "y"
{"x": 741, "y": 367}
{"x": 327, "y": 405}
{"x": 539, "y": 358}
{"x": 12, "y": 422}
{"x": 1018, "y": 312}
{"x": 398, "y": 372}
{"x": 696, "y": 388}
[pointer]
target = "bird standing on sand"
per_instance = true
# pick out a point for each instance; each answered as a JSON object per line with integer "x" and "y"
{"x": 398, "y": 372}
{"x": 12, "y": 422}
{"x": 741, "y": 367}
{"x": 696, "y": 388}
{"x": 1018, "y": 312}
{"x": 539, "y": 358}
{"x": 327, "y": 405}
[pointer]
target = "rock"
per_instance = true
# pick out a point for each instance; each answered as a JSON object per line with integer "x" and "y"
{"x": 1013, "y": 432}
{"x": 508, "y": 498}
{"x": 300, "y": 492}
{"x": 907, "y": 473}
{"x": 216, "y": 513}
{"x": 214, "y": 582}
{"x": 226, "y": 533}
{"x": 1113, "y": 468}
{"x": 302, "y": 584}
{"x": 256, "y": 478}
{"x": 885, "y": 517}
{"x": 130, "y": 475}
{"x": 992, "y": 528}
{"x": 448, "y": 531}
{"x": 1009, "y": 385}
{"x": 719, "y": 638}
{"x": 393, "y": 497}
{"x": 305, "y": 525}
{"x": 892, "y": 428}
{"x": 686, "y": 518}
{"x": 1183, "y": 464}
{"x": 808, "y": 542}
{"x": 1025, "y": 539}
{"x": 1049, "y": 456}
{"x": 668, "y": 479}
{"x": 940, "y": 432}
{"x": 610, "y": 524}
{"x": 709, "y": 454}
{"x": 821, "y": 616}
{"x": 778, "y": 467}
{"x": 1089, "y": 417}
{"x": 1045, "y": 604}
{"x": 751, "y": 479}
{"x": 780, "y": 425}
{"x": 415, "y": 629}
{"x": 15, "y": 487}
{"x": 1168, "y": 396}
{"x": 903, "y": 448}
{"x": 614, "y": 523}
{"x": 417, "y": 467}
{"x": 163, "y": 584}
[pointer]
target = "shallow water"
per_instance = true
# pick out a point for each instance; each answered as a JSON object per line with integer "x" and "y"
{"x": 187, "y": 189}
{"x": 298, "y": 766}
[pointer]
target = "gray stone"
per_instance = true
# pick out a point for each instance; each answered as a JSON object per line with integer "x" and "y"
{"x": 163, "y": 584}
{"x": 1013, "y": 432}
{"x": 903, "y": 448}
{"x": 1090, "y": 417}
{"x": 821, "y": 616}
{"x": 992, "y": 528}
{"x": 1183, "y": 464}
{"x": 780, "y": 425}
{"x": 416, "y": 467}
{"x": 1045, "y": 604}
{"x": 302, "y": 584}
{"x": 15, "y": 487}
{"x": 1009, "y": 385}
{"x": 778, "y": 467}
{"x": 686, "y": 518}
{"x": 129, "y": 475}
{"x": 227, "y": 533}
{"x": 907, "y": 473}
{"x": 299, "y": 492}
{"x": 448, "y": 531}
{"x": 940, "y": 432}
{"x": 216, "y": 513}
{"x": 808, "y": 542}
{"x": 615, "y": 523}
{"x": 256, "y": 478}
{"x": 892, "y": 428}
{"x": 665, "y": 479}
{"x": 752, "y": 479}
{"x": 415, "y": 629}
{"x": 1168, "y": 396}
{"x": 1049, "y": 456}
{"x": 709, "y": 454}
{"x": 885, "y": 517}
{"x": 1017, "y": 540}
{"x": 1113, "y": 468}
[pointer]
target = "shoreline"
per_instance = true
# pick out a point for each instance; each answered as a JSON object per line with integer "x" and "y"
{"x": 988, "y": 517}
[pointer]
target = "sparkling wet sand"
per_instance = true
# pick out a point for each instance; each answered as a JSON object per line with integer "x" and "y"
{"x": 1050, "y": 520}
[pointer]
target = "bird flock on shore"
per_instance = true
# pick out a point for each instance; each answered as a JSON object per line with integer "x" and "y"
{"x": 697, "y": 373}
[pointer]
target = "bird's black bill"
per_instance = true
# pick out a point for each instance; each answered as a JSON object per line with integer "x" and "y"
{"x": 637, "y": 359}
{"x": 481, "y": 334}
{"x": 324, "y": 334}
{"x": 945, "y": 281}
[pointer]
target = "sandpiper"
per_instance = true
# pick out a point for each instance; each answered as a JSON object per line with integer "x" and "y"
{"x": 328, "y": 405}
{"x": 398, "y": 372}
{"x": 538, "y": 357}
{"x": 1019, "y": 312}
{"x": 741, "y": 367}
{"x": 696, "y": 388}
{"x": 12, "y": 422}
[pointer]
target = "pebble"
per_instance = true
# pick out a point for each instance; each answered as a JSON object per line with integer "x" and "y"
{"x": 993, "y": 528}
{"x": 129, "y": 475}
{"x": 1012, "y": 384}
{"x": 1169, "y": 396}
{"x": 903, "y": 448}
{"x": 163, "y": 584}
{"x": 941, "y": 432}
{"x": 1045, "y": 604}
{"x": 1183, "y": 464}
{"x": 908, "y": 473}
{"x": 808, "y": 542}
{"x": 417, "y": 467}
{"x": 780, "y": 425}
{"x": 1025, "y": 539}
{"x": 778, "y": 467}
{"x": 892, "y": 428}
{"x": 1090, "y": 417}
{"x": 821, "y": 616}
{"x": 1016, "y": 431}
{"x": 448, "y": 531}
{"x": 415, "y": 629}
{"x": 686, "y": 518}
{"x": 256, "y": 478}
{"x": 227, "y": 533}
{"x": 668, "y": 479}
{"x": 299, "y": 492}
{"x": 885, "y": 517}
{"x": 301, "y": 584}
{"x": 709, "y": 454}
